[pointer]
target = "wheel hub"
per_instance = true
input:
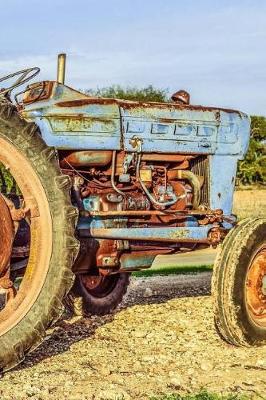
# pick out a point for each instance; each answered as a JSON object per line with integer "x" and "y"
{"x": 99, "y": 285}
{"x": 92, "y": 281}
{"x": 256, "y": 287}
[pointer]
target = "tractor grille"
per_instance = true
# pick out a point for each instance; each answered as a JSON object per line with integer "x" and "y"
{"x": 200, "y": 167}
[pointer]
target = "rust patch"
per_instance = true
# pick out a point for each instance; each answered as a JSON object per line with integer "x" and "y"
{"x": 45, "y": 88}
{"x": 6, "y": 236}
{"x": 166, "y": 157}
{"x": 85, "y": 102}
{"x": 81, "y": 123}
{"x": 87, "y": 158}
{"x": 255, "y": 288}
{"x": 127, "y": 104}
{"x": 173, "y": 106}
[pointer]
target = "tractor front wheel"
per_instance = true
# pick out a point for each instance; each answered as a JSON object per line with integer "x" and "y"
{"x": 239, "y": 285}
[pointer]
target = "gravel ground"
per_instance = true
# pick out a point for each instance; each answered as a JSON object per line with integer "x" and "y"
{"x": 161, "y": 340}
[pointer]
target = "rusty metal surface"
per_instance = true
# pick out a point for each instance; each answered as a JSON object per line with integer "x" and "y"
{"x": 256, "y": 288}
{"x": 182, "y": 213}
{"x": 181, "y": 97}
{"x": 145, "y": 173}
{"x": 71, "y": 120}
{"x": 164, "y": 234}
{"x": 179, "y": 158}
{"x": 137, "y": 260}
{"x": 162, "y": 126}
{"x": 6, "y": 236}
{"x": 87, "y": 158}
{"x": 37, "y": 92}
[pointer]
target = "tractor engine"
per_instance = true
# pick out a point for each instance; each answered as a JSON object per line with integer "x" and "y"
{"x": 132, "y": 190}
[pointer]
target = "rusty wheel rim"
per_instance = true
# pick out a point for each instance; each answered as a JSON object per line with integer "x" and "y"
{"x": 92, "y": 281}
{"x": 256, "y": 288}
{"x": 36, "y": 203}
{"x": 99, "y": 285}
{"x": 6, "y": 234}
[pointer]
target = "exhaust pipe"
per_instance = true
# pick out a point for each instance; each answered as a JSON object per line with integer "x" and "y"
{"x": 61, "y": 68}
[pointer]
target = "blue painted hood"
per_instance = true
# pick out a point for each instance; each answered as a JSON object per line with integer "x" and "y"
{"x": 71, "y": 120}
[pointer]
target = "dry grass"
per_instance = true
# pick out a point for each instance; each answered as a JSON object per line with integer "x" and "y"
{"x": 250, "y": 203}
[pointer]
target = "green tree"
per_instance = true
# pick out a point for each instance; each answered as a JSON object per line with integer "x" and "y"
{"x": 7, "y": 182}
{"x": 252, "y": 170}
{"x": 148, "y": 93}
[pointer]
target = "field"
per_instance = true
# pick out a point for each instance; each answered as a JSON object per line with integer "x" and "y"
{"x": 250, "y": 203}
{"x": 160, "y": 344}
{"x": 161, "y": 341}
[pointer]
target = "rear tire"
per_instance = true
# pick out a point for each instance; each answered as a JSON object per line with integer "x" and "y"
{"x": 48, "y": 276}
{"x": 239, "y": 285}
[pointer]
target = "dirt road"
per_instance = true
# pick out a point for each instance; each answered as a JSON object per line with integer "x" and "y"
{"x": 162, "y": 340}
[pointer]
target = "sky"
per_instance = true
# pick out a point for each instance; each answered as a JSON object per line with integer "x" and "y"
{"x": 213, "y": 49}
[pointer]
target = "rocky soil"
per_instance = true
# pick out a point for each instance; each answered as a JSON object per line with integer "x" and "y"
{"x": 161, "y": 340}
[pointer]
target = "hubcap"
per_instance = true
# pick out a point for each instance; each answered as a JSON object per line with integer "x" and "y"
{"x": 256, "y": 288}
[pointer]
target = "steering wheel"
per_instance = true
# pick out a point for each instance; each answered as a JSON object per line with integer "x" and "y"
{"x": 24, "y": 76}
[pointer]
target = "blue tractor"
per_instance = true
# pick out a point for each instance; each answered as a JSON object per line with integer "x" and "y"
{"x": 102, "y": 186}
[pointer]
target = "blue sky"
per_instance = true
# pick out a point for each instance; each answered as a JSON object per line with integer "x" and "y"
{"x": 213, "y": 49}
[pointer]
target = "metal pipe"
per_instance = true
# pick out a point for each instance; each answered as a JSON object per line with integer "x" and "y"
{"x": 113, "y": 175}
{"x": 192, "y": 179}
{"x": 143, "y": 213}
{"x": 61, "y": 68}
{"x": 162, "y": 234}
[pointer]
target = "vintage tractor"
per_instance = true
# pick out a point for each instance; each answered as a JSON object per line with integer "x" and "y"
{"x": 102, "y": 186}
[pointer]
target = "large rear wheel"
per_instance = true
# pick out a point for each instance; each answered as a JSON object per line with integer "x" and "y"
{"x": 36, "y": 299}
{"x": 239, "y": 285}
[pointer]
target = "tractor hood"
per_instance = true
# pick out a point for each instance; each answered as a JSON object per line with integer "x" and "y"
{"x": 69, "y": 119}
